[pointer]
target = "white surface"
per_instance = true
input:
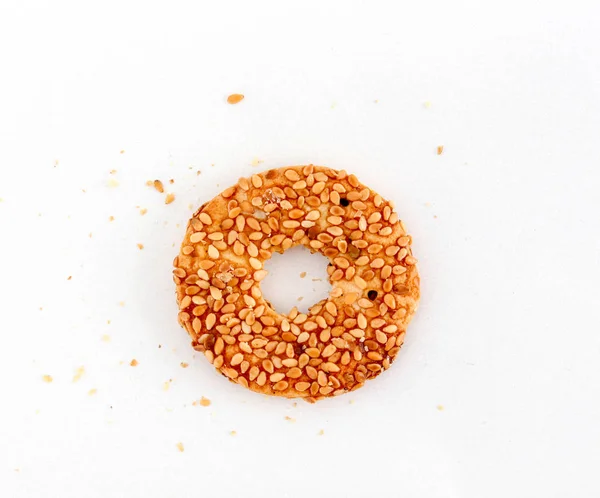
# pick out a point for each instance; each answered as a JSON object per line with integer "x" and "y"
{"x": 505, "y": 224}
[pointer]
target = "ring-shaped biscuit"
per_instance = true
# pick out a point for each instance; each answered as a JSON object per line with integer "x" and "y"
{"x": 344, "y": 340}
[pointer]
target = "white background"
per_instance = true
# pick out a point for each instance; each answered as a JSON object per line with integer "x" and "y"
{"x": 497, "y": 390}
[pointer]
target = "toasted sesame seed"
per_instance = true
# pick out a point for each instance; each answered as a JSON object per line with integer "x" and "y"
{"x": 303, "y": 337}
{"x": 158, "y": 185}
{"x": 291, "y": 175}
{"x": 302, "y": 386}
{"x": 313, "y": 352}
{"x": 235, "y": 98}
{"x": 237, "y": 359}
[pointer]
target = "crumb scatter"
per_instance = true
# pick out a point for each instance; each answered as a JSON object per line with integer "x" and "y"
{"x": 202, "y": 402}
{"x": 78, "y": 374}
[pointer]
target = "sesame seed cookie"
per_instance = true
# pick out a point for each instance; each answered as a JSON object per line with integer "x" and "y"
{"x": 344, "y": 340}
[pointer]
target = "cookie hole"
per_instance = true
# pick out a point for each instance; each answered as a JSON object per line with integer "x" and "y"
{"x": 372, "y": 295}
{"x": 344, "y": 202}
{"x": 283, "y": 285}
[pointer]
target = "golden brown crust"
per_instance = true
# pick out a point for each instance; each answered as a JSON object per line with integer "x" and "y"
{"x": 342, "y": 341}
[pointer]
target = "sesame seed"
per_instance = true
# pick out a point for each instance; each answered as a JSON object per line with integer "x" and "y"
{"x": 235, "y": 98}
{"x": 158, "y": 185}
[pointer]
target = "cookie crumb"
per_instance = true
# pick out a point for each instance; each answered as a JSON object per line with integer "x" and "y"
{"x": 300, "y": 298}
{"x": 170, "y": 198}
{"x": 202, "y": 402}
{"x": 183, "y": 364}
{"x": 47, "y": 378}
{"x": 256, "y": 161}
{"x": 105, "y": 338}
{"x": 235, "y": 98}
{"x": 439, "y": 150}
{"x": 167, "y": 384}
{"x": 158, "y": 185}
{"x": 78, "y": 374}
{"x": 321, "y": 432}
{"x": 232, "y": 433}
{"x": 134, "y": 363}
{"x": 69, "y": 277}
{"x": 140, "y": 246}
{"x": 198, "y": 173}
{"x": 111, "y": 218}
{"x": 290, "y": 419}
{"x": 112, "y": 183}
{"x": 302, "y": 274}
{"x": 180, "y": 447}
{"x": 143, "y": 211}
{"x": 91, "y": 392}
{"x": 122, "y": 151}
{"x": 171, "y": 181}
{"x": 113, "y": 171}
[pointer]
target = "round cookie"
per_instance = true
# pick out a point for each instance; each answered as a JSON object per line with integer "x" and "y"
{"x": 353, "y": 335}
